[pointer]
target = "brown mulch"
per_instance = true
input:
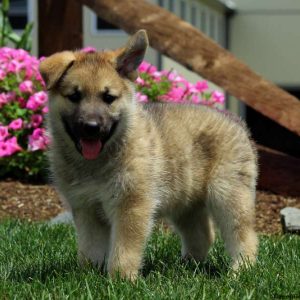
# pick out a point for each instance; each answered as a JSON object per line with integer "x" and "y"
{"x": 41, "y": 202}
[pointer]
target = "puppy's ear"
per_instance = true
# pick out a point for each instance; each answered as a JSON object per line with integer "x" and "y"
{"x": 132, "y": 55}
{"x": 53, "y": 67}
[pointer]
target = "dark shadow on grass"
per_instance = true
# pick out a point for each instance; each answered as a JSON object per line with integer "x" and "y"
{"x": 208, "y": 268}
{"x": 212, "y": 269}
{"x": 45, "y": 272}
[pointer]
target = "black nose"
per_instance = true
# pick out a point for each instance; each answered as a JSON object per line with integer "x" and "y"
{"x": 90, "y": 129}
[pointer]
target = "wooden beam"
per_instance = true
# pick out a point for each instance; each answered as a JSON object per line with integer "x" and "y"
{"x": 60, "y": 26}
{"x": 182, "y": 42}
{"x": 279, "y": 173}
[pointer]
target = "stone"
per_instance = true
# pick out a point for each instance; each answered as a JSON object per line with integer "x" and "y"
{"x": 64, "y": 217}
{"x": 290, "y": 220}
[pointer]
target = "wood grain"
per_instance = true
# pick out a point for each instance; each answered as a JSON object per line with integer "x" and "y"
{"x": 60, "y": 26}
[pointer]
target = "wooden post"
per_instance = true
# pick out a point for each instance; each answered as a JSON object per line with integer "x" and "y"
{"x": 279, "y": 173}
{"x": 182, "y": 42}
{"x": 60, "y": 26}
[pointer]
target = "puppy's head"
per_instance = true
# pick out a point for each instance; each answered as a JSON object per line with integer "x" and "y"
{"x": 89, "y": 92}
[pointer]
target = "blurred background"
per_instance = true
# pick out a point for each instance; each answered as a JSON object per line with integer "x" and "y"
{"x": 262, "y": 33}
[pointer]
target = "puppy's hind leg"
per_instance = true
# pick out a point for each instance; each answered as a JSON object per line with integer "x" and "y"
{"x": 92, "y": 235}
{"x": 196, "y": 231}
{"x": 234, "y": 215}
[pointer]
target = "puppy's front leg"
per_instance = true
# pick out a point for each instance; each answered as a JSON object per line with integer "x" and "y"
{"x": 92, "y": 235}
{"x": 131, "y": 226}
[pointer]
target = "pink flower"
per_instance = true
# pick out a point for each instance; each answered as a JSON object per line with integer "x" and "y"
{"x": 140, "y": 81}
{"x": 38, "y": 133}
{"x": 38, "y": 140}
{"x": 2, "y": 74}
{"x": 26, "y": 86}
{"x": 36, "y": 120}
{"x": 45, "y": 110}
{"x": 176, "y": 94}
{"x": 201, "y": 86}
{"x": 141, "y": 98}
{"x": 16, "y": 124}
{"x": 157, "y": 75}
{"x": 14, "y": 66}
{"x": 3, "y": 99}
{"x": 218, "y": 96}
{"x": 146, "y": 67}
{"x": 13, "y": 143}
{"x": 4, "y": 149}
{"x": 89, "y": 49}
{"x": 36, "y": 100}
{"x": 173, "y": 76}
{"x": 190, "y": 88}
{"x": 22, "y": 102}
{"x": 3, "y": 132}
{"x": 180, "y": 79}
{"x": 195, "y": 99}
{"x": 9, "y": 147}
{"x": 32, "y": 104}
{"x": 41, "y": 97}
{"x": 10, "y": 96}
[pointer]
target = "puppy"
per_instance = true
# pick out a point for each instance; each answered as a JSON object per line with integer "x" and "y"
{"x": 120, "y": 164}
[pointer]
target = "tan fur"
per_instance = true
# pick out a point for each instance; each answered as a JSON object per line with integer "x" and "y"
{"x": 189, "y": 164}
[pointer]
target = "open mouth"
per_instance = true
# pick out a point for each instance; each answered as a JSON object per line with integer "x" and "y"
{"x": 90, "y": 147}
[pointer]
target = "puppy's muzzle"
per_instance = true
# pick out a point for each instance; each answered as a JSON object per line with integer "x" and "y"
{"x": 90, "y": 129}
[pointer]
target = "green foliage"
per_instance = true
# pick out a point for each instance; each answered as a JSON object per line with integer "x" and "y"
{"x": 154, "y": 89}
{"x": 40, "y": 262}
{"x": 8, "y": 35}
{"x": 25, "y": 166}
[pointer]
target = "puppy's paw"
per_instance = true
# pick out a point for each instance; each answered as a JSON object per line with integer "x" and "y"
{"x": 124, "y": 273}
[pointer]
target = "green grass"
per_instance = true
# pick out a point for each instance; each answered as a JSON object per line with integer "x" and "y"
{"x": 39, "y": 262}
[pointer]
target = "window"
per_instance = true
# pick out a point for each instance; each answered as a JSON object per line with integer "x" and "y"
{"x": 221, "y": 31}
{"x": 100, "y": 26}
{"x": 161, "y": 3}
{"x": 203, "y": 21}
{"x": 194, "y": 15}
{"x": 103, "y": 25}
{"x": 17, "y": 14}
{"x": 212, "y": 26}
{"x": 172, "y": 6}
{"x": 183, "y": 10}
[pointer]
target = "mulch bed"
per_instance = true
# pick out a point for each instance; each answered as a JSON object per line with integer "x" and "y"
{"x": 41, "y": 202}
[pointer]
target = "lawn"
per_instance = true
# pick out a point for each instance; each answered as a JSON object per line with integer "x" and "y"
{"x": 39, "y": 262}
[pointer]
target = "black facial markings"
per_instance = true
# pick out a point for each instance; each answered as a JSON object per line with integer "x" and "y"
{"x": 69, "y": 130}
{"x": 69, "y": 124}
{"x": 76, "y": 96}
{"x": 107, "y": 97}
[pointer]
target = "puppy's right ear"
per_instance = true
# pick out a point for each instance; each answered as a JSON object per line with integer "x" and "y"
{"x": 53, "y": 67}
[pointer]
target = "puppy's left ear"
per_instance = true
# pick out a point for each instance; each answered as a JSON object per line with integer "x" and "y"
{"x": 132, "y": 55}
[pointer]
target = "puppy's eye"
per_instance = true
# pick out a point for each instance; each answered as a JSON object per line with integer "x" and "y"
{"x": 108, "y": 98}
{"x": 75, "y": 97}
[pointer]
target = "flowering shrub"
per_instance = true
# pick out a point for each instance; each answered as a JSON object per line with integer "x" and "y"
{"x": 168, "y": 86}
{"x": 23, "y": 105}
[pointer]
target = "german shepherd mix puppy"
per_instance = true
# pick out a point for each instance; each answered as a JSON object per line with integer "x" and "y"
{"x": 120, "y": 164}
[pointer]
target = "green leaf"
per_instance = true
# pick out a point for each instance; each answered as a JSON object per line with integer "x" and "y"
{"x": 25, "y": 42}
{"x": 5, "y": 6}
{"x": 15, "y": 38}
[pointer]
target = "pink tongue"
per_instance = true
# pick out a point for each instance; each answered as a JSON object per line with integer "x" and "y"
{"x": 90, "y": 148}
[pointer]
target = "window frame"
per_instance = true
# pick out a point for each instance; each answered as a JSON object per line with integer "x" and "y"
{"x": 104, "y": 32}
{"x": 29, "y": 12}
